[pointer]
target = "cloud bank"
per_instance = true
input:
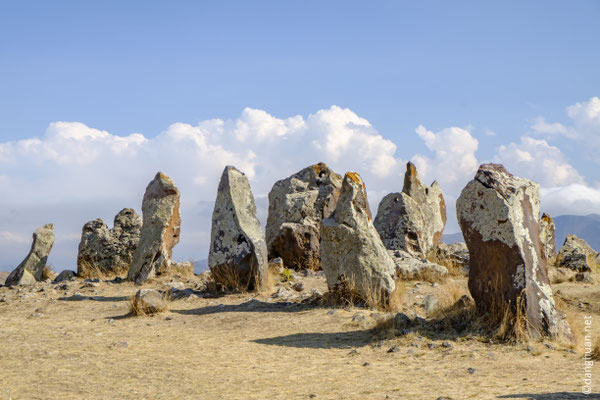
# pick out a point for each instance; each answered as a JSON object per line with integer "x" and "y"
{"x": 75, "y": 173}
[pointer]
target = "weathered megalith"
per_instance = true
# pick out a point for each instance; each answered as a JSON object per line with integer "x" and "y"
{"x": 351, "y": 251}
{"x": 160, "y": 230}
{"x": 414, "y": 219}
{"x": 32, "y": 267}
{"x": 577, "y": 255}
{"x": 238, "y": 253}
{"x": 109, "y": 251}
{"x": 499, "y": 217}
{"x": 296, "y": 207}
{"x": 547, "y": 236}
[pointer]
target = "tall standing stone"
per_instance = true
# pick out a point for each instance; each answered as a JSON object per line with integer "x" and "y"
{"x": 31, "y": 268}
{"x": 238, "y": 252}
{"x": 414, "y": 219}
{"x": 109, "y": 251}
{"x": 548, "y": 237}
{"x": 499, "y": 217}
{"x": 296, "y": 207}
{"x": 577, "y": 255}
{"x": 160, "y": 229}
{"x": 351, "y": 250}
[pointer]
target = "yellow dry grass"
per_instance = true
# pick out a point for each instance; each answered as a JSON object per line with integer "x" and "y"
{"x": 54, "y": 345}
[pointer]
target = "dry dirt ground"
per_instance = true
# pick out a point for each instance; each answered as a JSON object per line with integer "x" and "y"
{"x": 78, "y": 341}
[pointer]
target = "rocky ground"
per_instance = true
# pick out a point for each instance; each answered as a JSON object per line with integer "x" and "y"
{"x": 78, "y": 340}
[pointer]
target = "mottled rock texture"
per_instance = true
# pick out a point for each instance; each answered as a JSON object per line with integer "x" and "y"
{"x": 351, "y": 250}
{"x": 32, "y": 267}
{"x": 238, "y": 252}
{"x": 548, "y": 237}
{"x": 109, "y": 251}
{"x": 160, "y": 229}
{"x": 577, "y": 255}
{"x": 453, "y": 256}
{"x": 499, "y": 217}
{"x": 411, "y": 268}
{"x": 296, "y": 207}
{"x": 414, "y": 219}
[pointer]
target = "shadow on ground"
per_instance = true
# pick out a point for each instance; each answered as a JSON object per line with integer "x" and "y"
{"x": 249, "y": 306}
{"x": 551, "y": 396}
{"x": 330, "y": 340}
{"x": 94, "y": 298}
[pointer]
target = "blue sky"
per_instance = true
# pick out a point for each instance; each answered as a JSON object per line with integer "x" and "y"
{"x": 500, "y": 71}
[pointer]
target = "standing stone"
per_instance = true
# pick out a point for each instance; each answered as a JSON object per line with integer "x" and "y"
{"x": 499, "y": 217}
{"x": 414, "y": 219}
{"x": 577, "y": 255}
{"x": 31, "y": 268}
{"x": 351, "y": 250}
{"x": 109, "y": 251}
{"x": 238, "y": 252}
{"x": 160, "y": 230}
{"x": 296, "y": 207}
{"x": 547, "y": 236}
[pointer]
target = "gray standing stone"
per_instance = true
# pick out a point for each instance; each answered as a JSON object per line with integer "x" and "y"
{"x": 351, "y": 250}
{"x": 547, "y": 236}
{"x": 577, "y": 255}
{"x": 109, "y": 251}
{"x": 31, "y": 268}
{"x": 414, "y": 219}
{"x": 499, "y": 217}
{"x": 160, "y": 230}
{"x": 238, "y": 252}
{"x": 296, "y": 207}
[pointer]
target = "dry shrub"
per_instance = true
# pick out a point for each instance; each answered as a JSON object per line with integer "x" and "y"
{"x": 48, "y": 273}
{"x": 454, "y": 268}
{"x": 448, "y": 295}
{"x": 428, "y": 275}
{"x": 137, "y": 307}
{"x": 227, "y": 279}
{"x": 576, "y": 321}
{"x": 347, "y": 293}
{"x": 90, "y": 270}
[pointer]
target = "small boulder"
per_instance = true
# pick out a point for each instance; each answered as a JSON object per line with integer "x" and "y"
{"x": 430, "y": 304}
{"x": 109, "y": 251}
{"x": 160, "y": 230}
{"x": 414, "y": 219}
{"x": 411, "y": 268}
{"x": 238, "y": 252}
{"x": 296, "y": 207}
{"x": 351, "y": 251}
{"x": 499, "y": 217}
{"x": 577, "y": 255}
{"x": 453, "y": 256}
{"x": 148, "y": 301}
{"x": 32, "y": 267}
{"x": 65, "y": 275}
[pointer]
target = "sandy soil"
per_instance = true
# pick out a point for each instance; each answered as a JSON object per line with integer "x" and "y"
{"x": 79, "y": 342}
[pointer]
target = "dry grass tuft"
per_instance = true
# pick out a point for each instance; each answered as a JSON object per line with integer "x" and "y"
{"x": 448, "y": 295}
{"x": 182, "y": 270}
{"x": 89, "y": 270}
{"x": 138, "y": 307}
{"x": 596, "y": 350}
{"x": 48, "y": 273}
{"x": 454, "y": 268}
{"x": 347, "y": 294}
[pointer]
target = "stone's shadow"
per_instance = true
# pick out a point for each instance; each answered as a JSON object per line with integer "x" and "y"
{"x": 552, "y": 396}
{"x": 330, "y": 340}
{"x": 94, "y": 298}
{"x": 249, "y": 306}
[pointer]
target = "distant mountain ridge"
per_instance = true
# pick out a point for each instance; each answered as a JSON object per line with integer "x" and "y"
{"x": 586, "y": 227}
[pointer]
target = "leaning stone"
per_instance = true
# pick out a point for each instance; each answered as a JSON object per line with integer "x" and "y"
{"x": 109, "y": 251}
{"x": 296, "y": 207}
{"x": 238, "y": 252}
{"x": 352, "y": 253}
{"x": 499, "y": 217}
{"x": 32, "y": 267}
{"x": 160, "y": 230}
{"x": 65, "y": 275}
{"x": 414, "y": 219}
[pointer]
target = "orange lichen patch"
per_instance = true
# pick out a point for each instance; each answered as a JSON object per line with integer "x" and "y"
{"x": 411, "y": 170}
{"x": 318, "y": 168}
{"x": 548, "y": 219}
{"x": 355, "y": 177}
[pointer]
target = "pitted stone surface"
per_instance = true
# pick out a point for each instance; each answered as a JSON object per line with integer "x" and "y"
{"x": 238, "y": 246}
{"x": 160, "y": 229}
{"x": 109, "y": 250}
{"x": 414, "y": 219}
{"x": 499, "y": 217}
{"x": 296, "y": 207}
{"x": 31, "y": 268}
{"x": 351, "y": 250}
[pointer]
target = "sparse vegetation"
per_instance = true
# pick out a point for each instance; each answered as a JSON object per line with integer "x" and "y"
{"x": 48, "y": 272}
{"x": 348, "y": 294}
